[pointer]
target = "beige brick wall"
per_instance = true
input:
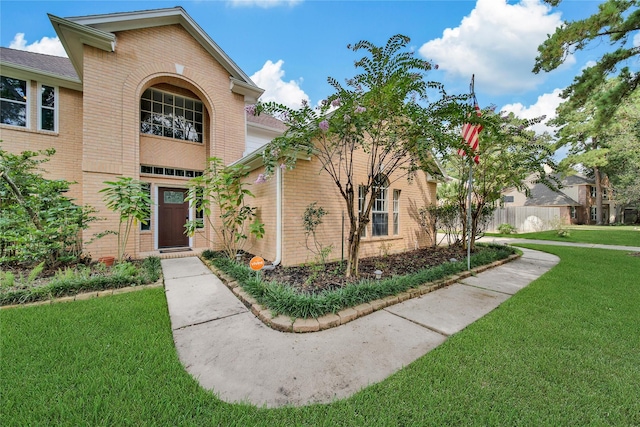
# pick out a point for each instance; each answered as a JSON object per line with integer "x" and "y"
{"x": 113, "y": 84}
{"x": 307, "y": 184}
{"x": 67, "y": 141}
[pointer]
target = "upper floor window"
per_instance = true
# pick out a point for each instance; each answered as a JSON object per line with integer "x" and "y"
{"x": 593, "y": 191}
{"x": 172, "y": 116}
{"x": 13, "y": 102}
{"x": 380, "y": 212}
{"x": 47, "y": 108}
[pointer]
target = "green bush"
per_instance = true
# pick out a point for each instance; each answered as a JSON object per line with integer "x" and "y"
{"x": 38, "y": 222}
{"x": 283, "y": 299}
{"x": 507, "y": 229}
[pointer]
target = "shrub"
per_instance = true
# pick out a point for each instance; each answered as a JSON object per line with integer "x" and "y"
{"x": 38, "y": 222}
{"x": 507, "y": 229}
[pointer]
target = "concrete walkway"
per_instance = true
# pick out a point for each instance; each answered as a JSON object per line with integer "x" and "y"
{"x": 230, "y": 351}
{"x": 510, "y": 240}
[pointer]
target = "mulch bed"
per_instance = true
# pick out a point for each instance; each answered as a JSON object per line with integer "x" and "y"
{"x": 318, "y": 278}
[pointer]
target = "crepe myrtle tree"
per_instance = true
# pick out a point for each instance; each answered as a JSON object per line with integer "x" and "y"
{"x": 381, "y": 116}
{"x": 509, "y": 152}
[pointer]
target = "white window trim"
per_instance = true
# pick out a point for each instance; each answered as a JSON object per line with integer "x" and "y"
{"x": 383, "y": 198}
{"x": 396, "y": 212}
{"x": 28, "y": 104}
{"x": 56, "y": 103}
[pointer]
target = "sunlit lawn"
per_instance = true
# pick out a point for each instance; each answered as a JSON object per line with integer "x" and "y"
{"x": 563, "y": 351}
{"x": 606, "y": 235}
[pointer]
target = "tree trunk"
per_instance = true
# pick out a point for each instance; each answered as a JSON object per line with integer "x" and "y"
{"x": 598, "y": 180}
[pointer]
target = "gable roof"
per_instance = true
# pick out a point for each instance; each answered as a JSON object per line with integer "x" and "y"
{"x": 99, "y": 31}
{"x": 570, "y": 180}
{"x": 541, "y": 195}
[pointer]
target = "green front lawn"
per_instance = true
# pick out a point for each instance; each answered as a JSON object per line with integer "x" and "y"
{"x": 563, "y": 351}
{"x": 620, "y": 235}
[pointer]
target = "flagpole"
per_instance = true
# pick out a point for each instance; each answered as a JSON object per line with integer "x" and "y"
{"x": 469, "y": 186}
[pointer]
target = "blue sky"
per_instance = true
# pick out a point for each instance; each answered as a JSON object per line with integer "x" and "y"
{"x": 290, "y": 47}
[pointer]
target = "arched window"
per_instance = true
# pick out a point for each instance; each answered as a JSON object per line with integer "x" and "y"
{"x": 170, "y": 115}
{"x": 380, "y": 210}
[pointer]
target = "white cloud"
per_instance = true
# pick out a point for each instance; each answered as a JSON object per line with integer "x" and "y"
{"x": 265, "y": 4}
{"x": 276, "y": 89}
{"x": 498, "y": 43}
{"x": 589, "y": 64}
{"x": 545, "y": 106}
{"x": 46, "y": 45}
{"x": 636, "y": 40}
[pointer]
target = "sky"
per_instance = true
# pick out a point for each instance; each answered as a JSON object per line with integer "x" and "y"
{"x": 290, "y": 47}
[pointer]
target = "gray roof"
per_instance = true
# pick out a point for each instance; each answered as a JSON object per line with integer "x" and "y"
{"x": 49, "y": 64}
{"x": 576, "y": 180}
{"x": 541, "y": 195}
{"x": 267, "y": 121}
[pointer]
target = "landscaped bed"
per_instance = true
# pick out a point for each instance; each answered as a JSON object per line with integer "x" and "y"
{"x": 19, "y": 285}
{"x": 312, "y": 291}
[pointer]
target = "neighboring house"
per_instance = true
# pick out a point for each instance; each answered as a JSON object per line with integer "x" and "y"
{"x": 150, "y": 95}
{"x": 576, "y": 199}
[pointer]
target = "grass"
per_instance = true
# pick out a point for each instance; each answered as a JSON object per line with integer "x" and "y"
{"x": 621, "y": 235}
{"x": 563, "y": 351}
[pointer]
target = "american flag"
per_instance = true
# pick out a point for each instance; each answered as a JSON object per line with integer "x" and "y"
{"x": 470, "y": 134}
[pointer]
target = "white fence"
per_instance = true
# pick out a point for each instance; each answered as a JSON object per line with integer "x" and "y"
{"x": 526, "y": 219}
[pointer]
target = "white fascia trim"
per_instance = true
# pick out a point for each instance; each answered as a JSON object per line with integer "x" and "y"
{"x": 125, "y": 21}
{"x": 73, "y": 36}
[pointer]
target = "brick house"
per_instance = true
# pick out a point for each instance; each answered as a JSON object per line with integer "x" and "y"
{"x": 576, "y": 199}
{"x": 151, "y": 96}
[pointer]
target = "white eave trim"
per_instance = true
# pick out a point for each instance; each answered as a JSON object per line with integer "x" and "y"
{"x": 73, "y": 36}
{"x": 114, "y": 22}
{"x": 28, "y": 73}
{"x": 251, "y": 92}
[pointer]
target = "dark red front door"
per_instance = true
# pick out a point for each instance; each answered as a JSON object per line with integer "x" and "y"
{"x": 173, "y": 212}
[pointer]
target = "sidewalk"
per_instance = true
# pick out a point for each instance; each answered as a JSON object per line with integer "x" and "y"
{"x": 492, "y": 239}
{"x": 230, "y": 351}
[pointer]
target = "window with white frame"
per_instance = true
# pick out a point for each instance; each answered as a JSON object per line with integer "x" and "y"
{"x": 573, "y": 212}
{"x": 47, "y": 117}
{"x": 396, "y": 212}
{"x": 172, "y": 116}
{"x": 379, "y": 211}
{"x": 593, "y": 213}
{"x": 593, "y": 191}
{"x": 14, "y": 99}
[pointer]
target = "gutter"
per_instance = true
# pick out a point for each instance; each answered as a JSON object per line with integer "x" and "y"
{"x": 254, "y": 161}
{"x": 278, "y": 259}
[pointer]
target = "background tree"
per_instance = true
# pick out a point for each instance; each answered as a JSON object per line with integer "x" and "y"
{"x": 584, "y": 136}
{"x": 615, "y": 21}
{"x": 509, "y": 153}
{"x": 602, "y": 149}
{"x": 381, "y": 117}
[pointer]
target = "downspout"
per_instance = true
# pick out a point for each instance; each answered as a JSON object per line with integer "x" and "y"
{"x": 278, "y": 259}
